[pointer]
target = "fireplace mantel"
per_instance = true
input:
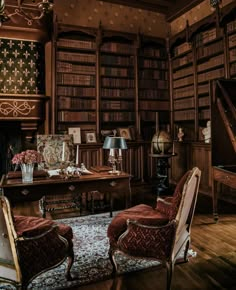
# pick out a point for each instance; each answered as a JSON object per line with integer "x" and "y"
{"x": 29, "y": 111}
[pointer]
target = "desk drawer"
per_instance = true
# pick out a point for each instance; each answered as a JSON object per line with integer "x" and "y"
{"x": 226, "y": 178}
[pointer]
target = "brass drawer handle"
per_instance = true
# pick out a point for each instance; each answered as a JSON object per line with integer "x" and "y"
{"x": 113, "y": 183}
{"x": 71, "y": 187}
{"x": 25, "y": 191}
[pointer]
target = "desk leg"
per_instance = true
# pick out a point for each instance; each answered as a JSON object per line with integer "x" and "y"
{"x": 215, "y": 200}
{"x": 111, "y": 204}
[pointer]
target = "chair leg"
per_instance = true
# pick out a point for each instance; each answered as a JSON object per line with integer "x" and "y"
{"x": 170, "y": 270}
{"x": 70, "y": 262}
{"x": 186, "y": 251}
{"x": 113, "y": 261}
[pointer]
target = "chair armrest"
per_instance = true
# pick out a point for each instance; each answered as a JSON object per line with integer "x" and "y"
{"x": 37, "y": 233}
{"x": 40, "y": 252}
{"x": 149, "y": 241}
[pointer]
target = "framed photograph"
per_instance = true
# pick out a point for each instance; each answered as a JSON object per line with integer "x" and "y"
{"x": 75, "y": 131}
{"x": 90, "y": 137}
{"x": 125, "y": 133}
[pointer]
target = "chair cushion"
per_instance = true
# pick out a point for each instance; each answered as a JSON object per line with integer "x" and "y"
{"x": 169, "y": 206}
{"x": 31, "y": 226}
{"x": 142, "y": 213}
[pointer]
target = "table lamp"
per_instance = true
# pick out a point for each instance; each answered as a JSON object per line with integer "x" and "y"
{"x": 115, "y": 145}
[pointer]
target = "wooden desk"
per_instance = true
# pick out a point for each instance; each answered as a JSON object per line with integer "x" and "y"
{"x": 222, "y": 175}
{"x": 114, "y": 185}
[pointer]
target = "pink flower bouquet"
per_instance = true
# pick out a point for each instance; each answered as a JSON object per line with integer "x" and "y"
{"x": 27, "y": 157}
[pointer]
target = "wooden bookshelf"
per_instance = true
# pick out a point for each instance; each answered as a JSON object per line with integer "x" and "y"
{"x": 153, "y": 85}
{"x": 75, "y": 81}
{"x": 117, "y": 82}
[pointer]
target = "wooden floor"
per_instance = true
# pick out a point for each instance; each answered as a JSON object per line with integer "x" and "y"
{"x": 214, "y": 267}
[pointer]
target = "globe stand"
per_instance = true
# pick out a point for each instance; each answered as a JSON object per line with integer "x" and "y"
{"x": 160, "y": 147}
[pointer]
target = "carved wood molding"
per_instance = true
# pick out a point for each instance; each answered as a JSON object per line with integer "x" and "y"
{"x": 22, "y": 108}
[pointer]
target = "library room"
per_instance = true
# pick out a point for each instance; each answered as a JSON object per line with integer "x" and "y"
{"x": 118, "y": 150}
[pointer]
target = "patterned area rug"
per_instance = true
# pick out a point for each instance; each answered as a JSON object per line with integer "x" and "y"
{"x": 91, "y": 256}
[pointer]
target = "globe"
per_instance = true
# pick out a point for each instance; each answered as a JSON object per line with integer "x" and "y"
{"x": 161, "y": 142}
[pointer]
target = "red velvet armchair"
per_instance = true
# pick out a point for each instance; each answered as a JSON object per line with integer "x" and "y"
{"x": 160, "y": 233}
{"x": 31, "y": 246}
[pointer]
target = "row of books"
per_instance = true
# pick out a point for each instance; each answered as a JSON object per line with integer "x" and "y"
{"x": 119, "y": 72}
{"x": 232, "y": 54}
{"x": 205, "y": 114}
{"x": 153, "y": 105}
{"x": 233, "y": 69}
{"x": 79, "y": 57}
{"x": 183, "y": 72}
{"x": 210, "y": 49}
{"x": 148, "y": 116}
{"x": 204, "y": 101}
{"x": 158, "y": 84}
{"x": 211, "y": 75}
{"x": 117, "y": 60}
{"x": 73, "y": 116}
{"x": 153, "y": 74}
{"x": 153, "y": 52}
{"x": 205, "y": 36}
{"x": 76, "y": 79}
{"x": 184, "y": 115}
{"x": 212, "y": 62}
{"x": 118, "y": 93}
{"x": 117, "y": 105}
{"x": 75, "y": 103}
{"x": 76, "y": 91}
{"x": 184, "y": 103}
{"x": 183, "y": 92}
{"x": 115, "y": 82}
{"x": 153, "y": 63}
{"x": 203, "y": 88}
{"x": 118, "y": 116}
{"x": 153, "y": 94}
{"x": 182, "y": 48}
{"x": 187, "y": 59}
{"x": 66, "y": 67}
{"x": 232, "y": 40}
{"x": 74, "y": 43}
{"x": 116, "y": 47}
{"x": 231, "y": 26}
{"x": 183, "y": 82}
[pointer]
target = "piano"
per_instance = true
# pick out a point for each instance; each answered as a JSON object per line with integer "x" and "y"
{"x": 223, "y": 137}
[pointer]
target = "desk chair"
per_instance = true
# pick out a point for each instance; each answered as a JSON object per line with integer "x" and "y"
{"x": 51, "y": 147}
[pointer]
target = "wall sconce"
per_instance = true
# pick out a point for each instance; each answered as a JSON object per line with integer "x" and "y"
{"x": 44, "y": 7}
{"x": 116, "y": 145}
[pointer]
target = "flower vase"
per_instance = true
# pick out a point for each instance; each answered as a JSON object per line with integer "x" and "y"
{"x": 27, "y": 171}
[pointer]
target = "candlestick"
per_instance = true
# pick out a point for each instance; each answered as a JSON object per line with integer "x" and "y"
{"x": 63, "y": 151}
{"x": 120, "y": 152}
{"x": 77, "y": 155}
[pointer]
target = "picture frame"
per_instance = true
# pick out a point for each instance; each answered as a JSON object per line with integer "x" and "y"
{"x": 76, "y": 132}
{"x": 90, "y": 137}
{"x": 125, "y": 133}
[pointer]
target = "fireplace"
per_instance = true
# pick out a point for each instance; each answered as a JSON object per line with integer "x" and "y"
{"x": 21, "y": 118}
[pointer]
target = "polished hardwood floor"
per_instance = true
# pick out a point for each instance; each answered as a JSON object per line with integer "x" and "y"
{"x": 214, "y": 267}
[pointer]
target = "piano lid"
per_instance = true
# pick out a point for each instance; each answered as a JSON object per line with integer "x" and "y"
{"x": 223, "y": 122}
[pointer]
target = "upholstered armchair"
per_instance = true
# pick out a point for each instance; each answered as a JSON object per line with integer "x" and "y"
{"x": 31, "y": 246}
{"x": 160, "y": 233}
